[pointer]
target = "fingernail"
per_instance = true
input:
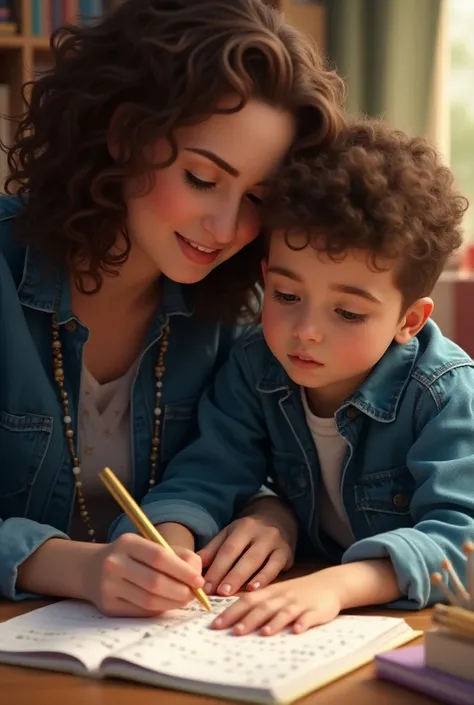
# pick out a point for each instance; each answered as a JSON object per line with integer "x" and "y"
{"x": 239, "y": 628}
{"x": 225, "y": 589}
{"x": 217, "y": 623}
{"x": 198, "y": 581}
{"x": 254, "y": 586}
{"x": 207, "y": 588}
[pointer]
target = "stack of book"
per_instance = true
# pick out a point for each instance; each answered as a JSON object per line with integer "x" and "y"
{"x": 443, "y": 667}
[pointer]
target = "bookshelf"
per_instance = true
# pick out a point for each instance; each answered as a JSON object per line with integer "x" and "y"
{"x": 25, "y": 27}
{"x": 22, "y": 53}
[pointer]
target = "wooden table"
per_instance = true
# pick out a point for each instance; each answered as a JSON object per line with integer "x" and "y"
{"x": 22, "y": 686}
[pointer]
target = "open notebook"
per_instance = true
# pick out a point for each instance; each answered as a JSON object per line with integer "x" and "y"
{"x": 178, "y": 650}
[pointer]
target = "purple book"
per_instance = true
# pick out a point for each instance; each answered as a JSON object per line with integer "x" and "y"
{"x": 407, "y": 668}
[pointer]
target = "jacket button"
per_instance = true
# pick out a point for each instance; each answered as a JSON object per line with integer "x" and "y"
{"x": 351, "y": 412}
{"x": 401, "y": 500}
{"x": 71, "y": 326}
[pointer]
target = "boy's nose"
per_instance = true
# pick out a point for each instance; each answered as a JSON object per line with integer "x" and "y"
{"x": 308, "y": 331}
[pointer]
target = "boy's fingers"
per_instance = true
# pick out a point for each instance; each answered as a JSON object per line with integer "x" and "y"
{"x": 308, "y": 619}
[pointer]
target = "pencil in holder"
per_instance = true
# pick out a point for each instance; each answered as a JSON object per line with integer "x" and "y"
{"x": 458, "y": 615}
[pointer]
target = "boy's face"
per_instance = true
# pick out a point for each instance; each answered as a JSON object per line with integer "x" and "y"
{"x": 328, "y": 323}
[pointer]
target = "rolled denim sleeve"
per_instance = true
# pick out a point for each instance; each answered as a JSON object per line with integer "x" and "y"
{"x": 442, "y": 463}
{"x": 19, "y": 539}
{"x": 211, "y": 479}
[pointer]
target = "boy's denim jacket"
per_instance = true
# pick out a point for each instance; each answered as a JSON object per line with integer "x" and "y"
{"x": 36, "y": 480}
{"x": 407, "y": 482}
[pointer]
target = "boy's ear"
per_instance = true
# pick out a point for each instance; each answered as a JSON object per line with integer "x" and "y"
{"x": 264, "y": 270}
{"x": 414, "y": 320}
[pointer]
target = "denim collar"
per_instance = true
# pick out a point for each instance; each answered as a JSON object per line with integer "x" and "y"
{"x": 40, "y": 284}
{"x": 377, "y": 397}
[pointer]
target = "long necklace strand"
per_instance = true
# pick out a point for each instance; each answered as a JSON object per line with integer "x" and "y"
{"x": 58, "y": 371}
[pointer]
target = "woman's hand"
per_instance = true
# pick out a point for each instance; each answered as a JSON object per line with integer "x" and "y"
{"x": 135, "y": 577}
{"x": 260, "y": 544}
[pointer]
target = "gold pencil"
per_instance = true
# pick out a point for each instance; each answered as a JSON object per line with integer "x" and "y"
{"x": 141, "y": 521}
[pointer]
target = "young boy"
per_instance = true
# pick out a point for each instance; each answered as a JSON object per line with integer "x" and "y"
{"x": 351, "y": 401}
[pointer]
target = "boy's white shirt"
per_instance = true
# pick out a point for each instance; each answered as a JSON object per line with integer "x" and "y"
{"x": 331, "y": 448}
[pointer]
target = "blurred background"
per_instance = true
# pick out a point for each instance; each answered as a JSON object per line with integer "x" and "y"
{"x": 408, "y": 61}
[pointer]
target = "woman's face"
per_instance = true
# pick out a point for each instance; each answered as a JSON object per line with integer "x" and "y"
{"x": 205, "y": 206}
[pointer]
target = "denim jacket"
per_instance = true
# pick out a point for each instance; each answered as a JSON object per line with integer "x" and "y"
{"x": 36, "y": 480}
{"x": 407, "y": 481}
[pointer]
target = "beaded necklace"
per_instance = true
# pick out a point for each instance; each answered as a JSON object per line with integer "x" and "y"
{"x": 58, "y": 372}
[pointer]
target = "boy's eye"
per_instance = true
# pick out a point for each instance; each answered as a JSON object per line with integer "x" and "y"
{"x": 350, "y": 316}
{"x": 196, "y": 183}
{"x": 285, "y": 298}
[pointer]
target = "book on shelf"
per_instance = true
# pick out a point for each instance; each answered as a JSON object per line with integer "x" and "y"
{"x": 179, "y": 650}
{"x": 8, "y": 24}
{"x": 47, "y": 15}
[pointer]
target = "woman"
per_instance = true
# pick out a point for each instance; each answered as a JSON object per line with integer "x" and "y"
{"x": 126, "y": 261}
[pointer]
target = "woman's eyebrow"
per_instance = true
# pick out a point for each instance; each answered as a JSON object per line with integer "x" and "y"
{"x": 221, "y": 163}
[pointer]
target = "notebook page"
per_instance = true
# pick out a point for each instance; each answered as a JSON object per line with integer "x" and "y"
{"x": 189, "y": 649}
{"x": 71, "y": 628}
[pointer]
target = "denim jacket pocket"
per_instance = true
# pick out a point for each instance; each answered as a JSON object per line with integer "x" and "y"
{"x": 24, "y": 441}
{"x": 290, "y": 474}
{"x": 385, "y": 498}
{"x": 179, "y": 426}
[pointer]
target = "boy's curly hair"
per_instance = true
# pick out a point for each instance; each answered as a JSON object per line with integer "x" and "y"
{"x": 168, "y": 63}
{"x": 373, "y": 188}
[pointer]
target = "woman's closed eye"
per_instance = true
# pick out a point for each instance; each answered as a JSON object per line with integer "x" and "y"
{"x": 256, "y": 200}
{"x": 197, "y": 183}
{"x": 283, "y": 298}
{"x": 350, "y": 316}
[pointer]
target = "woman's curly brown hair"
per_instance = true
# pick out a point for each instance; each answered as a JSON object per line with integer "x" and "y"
{"x": 169, "y": 62}
{"x": 375, "y": 189}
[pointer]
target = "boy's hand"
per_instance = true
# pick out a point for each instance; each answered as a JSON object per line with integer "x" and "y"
{"x": 300, "y": 603}
{"x": 133, "y": 576}
{"x": 314, "y": 599}
{"x": 260, "y": 544}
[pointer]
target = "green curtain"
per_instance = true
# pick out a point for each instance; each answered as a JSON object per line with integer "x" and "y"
{"x": 385, "y": 50}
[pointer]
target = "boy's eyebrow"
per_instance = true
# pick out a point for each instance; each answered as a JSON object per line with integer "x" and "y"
{"x": 284, "y": 272}
{"x": 343, "y": 288}
{"x": 355, "y": 291}
{"x": 221, "y": 163}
